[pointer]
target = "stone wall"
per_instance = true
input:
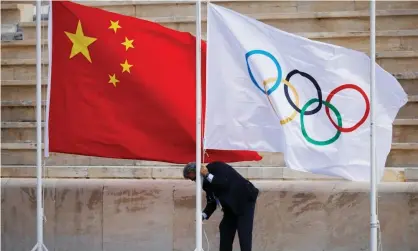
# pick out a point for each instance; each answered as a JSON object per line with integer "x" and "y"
{"x": 90, "y": 215}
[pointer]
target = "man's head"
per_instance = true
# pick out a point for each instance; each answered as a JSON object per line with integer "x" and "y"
{"x": 189, "y": 171}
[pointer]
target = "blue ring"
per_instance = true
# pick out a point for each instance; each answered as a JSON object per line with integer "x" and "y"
{"x": 279, "y": 70}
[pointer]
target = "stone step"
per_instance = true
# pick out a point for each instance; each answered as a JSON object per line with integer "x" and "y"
{"x": 160, "y": 8}
{"x": 29, "y": 2}
{"x": 411, "y": 174}
{"x": 391, "y": 61}
{"x": 26, "y": 89}
{"x": 409, "y": 82}
{"x": 21, "y": 92}
{"x": 401, "y": 155}
{"x": 291, "y": 22}
{"x": 392, "y": 174}
{"x": 14, "y": 13}
{"x": 172, "y": 8}
{"x": 397, "y": 40}
{"x": 24, "y": 49}
{"x": 404, "y": 131}
{"x": 398, "y": 61}
{"x": 24, "y": 111}
{"x": 21, "y": 69}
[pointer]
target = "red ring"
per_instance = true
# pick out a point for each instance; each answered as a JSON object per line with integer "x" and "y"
{"x": 366, "y": 113}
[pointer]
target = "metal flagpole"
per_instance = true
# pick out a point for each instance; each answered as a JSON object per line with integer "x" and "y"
{"x": 39, "y": 209}
{"x": 198, "y": 129}
{"x": 374, "y": 224}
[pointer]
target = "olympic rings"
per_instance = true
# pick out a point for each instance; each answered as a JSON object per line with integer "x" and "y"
{"x": 319, "y": 100}
{"x": 276, "y": 63}
{"x": 366, "y": 112}
{"x": 318, "y": 89}
{"x": 302, "y": 124}
{"x": 294, "y": 113}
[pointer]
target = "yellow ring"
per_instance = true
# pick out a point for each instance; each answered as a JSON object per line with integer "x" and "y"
{"x": 293, "y": 89}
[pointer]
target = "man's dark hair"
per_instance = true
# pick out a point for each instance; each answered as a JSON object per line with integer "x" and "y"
{"x": 190, "y": 167}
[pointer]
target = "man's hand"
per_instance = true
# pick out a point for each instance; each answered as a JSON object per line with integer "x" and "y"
{"x": 204, "y": 171}
{"x": 204, "y": 217}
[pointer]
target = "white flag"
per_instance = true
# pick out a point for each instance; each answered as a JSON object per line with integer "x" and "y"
{"x": 269, "y": 90}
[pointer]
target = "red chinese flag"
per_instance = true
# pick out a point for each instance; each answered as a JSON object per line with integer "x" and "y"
{"x": 123, "y": 87}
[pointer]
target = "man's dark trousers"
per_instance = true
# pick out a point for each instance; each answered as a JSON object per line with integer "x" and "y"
{"x": 231, "y": 223}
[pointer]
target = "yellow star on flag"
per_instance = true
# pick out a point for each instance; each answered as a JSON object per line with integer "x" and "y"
{"x": 114, "y": 25}
{"x": 80, "y": 42}
{"x": 126, "y": 66}
{"x": 113, "y": 80}
{"x": 128, "y": 43}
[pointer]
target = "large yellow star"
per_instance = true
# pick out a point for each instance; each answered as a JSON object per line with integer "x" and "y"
{"x": 128, "y": 43}
{"x": 113, "y": 80}
{"x": 80, "y": 42}
{"x": 126, "y": 66}
{"x": 114, "y": 25}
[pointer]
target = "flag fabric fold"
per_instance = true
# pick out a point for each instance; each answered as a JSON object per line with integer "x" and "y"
{"x": 122, "y": 87}
{"x": 269, "y": 90}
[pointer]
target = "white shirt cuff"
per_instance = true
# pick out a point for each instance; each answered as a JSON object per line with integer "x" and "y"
{"x": 204, "y": 216}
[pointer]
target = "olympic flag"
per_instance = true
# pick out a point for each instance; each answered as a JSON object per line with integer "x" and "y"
{"x": 268, "y": 90}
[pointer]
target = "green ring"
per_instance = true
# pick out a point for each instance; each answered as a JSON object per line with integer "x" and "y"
{"x": 305, "y": 134}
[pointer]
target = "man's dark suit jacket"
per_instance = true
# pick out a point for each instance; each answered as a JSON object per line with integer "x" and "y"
{"x": 232, "y": 190}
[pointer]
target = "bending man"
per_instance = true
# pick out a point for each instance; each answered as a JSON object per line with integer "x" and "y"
{"x": 236, "y": 195}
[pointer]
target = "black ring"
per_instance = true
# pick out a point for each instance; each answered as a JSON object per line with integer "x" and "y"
{"x": 318, "y": 89}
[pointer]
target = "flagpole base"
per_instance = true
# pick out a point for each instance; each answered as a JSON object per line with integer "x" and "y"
{"x": 43, "y": 247}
